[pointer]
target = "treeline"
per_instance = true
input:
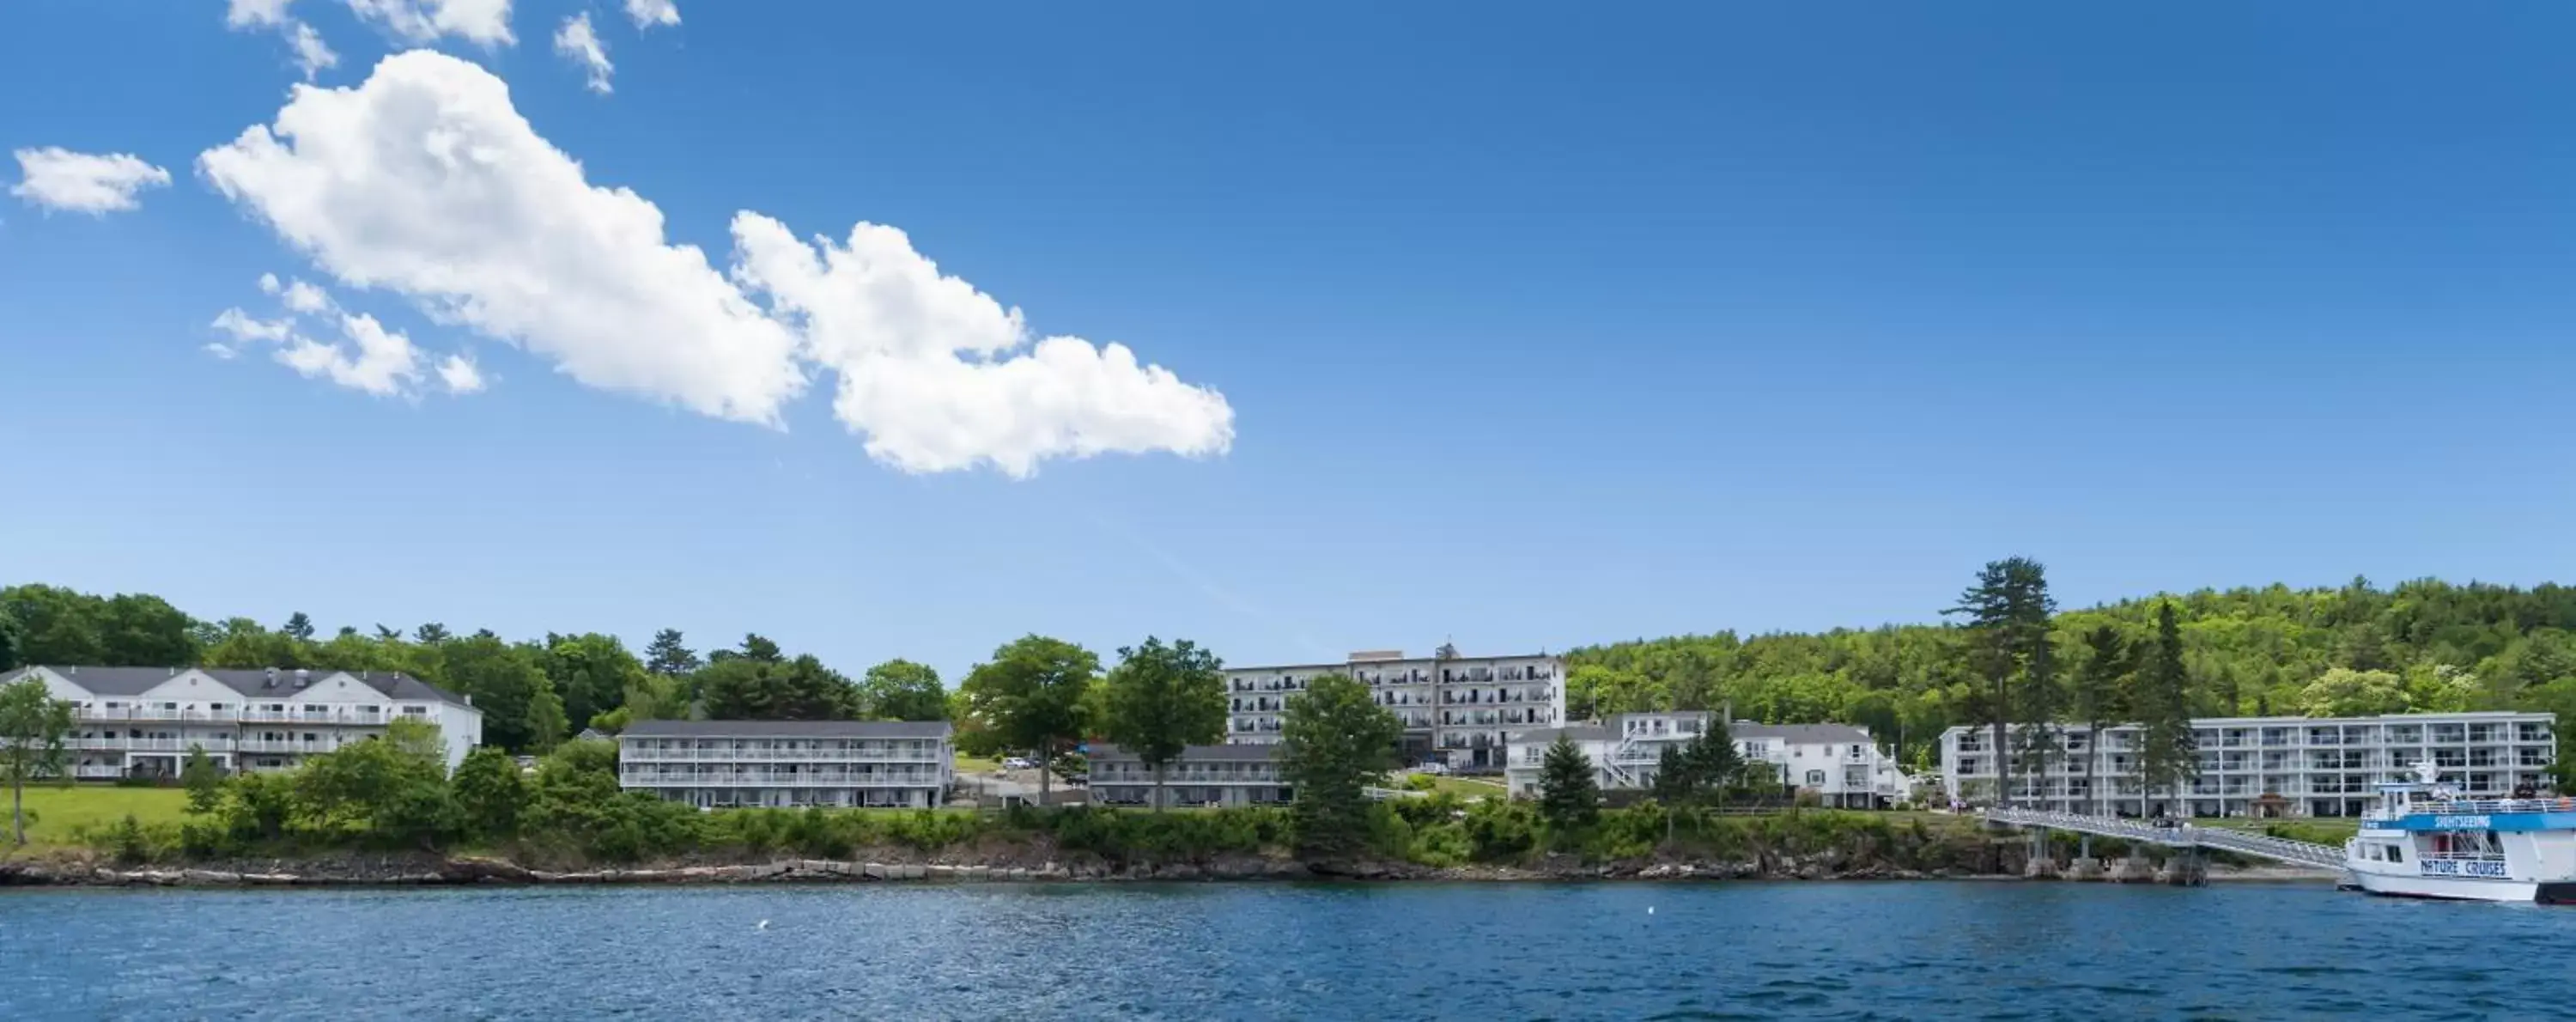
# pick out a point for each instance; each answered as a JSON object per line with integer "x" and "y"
{"x": 2356, "y": 649}
{"x": 533, "y": 694}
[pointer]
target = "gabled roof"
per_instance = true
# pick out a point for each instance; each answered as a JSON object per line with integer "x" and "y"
{"x": 246, "y": 682}
{"x": 787, "y": 729}
{"x": 1800, "y": 734}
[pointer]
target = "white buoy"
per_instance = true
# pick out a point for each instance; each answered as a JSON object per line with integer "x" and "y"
{"x": 1650, "y": 910}
{"x": 764, "y": 924}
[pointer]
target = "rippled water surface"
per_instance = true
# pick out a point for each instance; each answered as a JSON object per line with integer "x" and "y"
{"x": 1484, "y": 952}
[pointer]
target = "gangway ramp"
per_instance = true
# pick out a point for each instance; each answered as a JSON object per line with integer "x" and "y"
{"x": 2296, "y": 853}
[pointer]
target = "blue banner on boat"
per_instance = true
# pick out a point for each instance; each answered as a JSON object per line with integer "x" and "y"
{"x": 2488, "y": 821}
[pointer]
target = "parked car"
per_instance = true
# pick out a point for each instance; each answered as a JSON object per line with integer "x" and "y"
{"x": 1019, "y": 763}
{"x": 1435, "y": 768}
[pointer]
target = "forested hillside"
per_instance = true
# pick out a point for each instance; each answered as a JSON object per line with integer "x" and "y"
{"x": 2425, "y": 645}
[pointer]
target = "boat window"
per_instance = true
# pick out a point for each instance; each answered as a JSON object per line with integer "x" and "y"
{"x": 2395, "y": 854}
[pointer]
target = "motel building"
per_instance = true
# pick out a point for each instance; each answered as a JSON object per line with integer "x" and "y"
{"x": 143, "y": 721}
{"x": 1204, "y": 775}
{"x": 715, "y": 764}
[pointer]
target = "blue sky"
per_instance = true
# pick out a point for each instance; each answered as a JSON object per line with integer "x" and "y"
{"x": 1530, "y": 328}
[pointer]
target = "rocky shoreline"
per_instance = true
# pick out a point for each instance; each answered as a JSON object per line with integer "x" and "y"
{"x": 417, "y": 871}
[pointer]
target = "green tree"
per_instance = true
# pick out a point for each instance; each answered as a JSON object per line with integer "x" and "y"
{"x": 2344, "y": 692}
{"x": 1716, "y": 765}
{"x": 10, "y": 643}
{"x": 55, "y": 625}
{"x": 1031, "y": 694}
{"x": 1676, "y": 784}
{"x": 2101, "y": 697}
{"x": 204, "y": 781}
{"x": 146, "y": 631}
{"x": 490, "y": 793}
{"x": 298, "y": 627}
{"x": 1334, "y": 742}
{"x": 744, "y": 687}
{"x": 2007, "y": 611}
{"x": 902, "y": 690}
{"x": 1569, "y": 794}
{"x": 431, "y": 634}
{"x": 392, "y": 788}
{"x": 1161, "y": 699}
{"x": 669, "y": 655}
{"x": 521, "y": 711}
{"x": 2167, "y": 756}
{"x": 34, "y": 727}
{"x": 592, "y": 672}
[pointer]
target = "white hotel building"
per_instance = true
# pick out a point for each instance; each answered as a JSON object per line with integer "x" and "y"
{"x": 1205, "y": 775}
{"x": 143, "y": 721}
{"x": 1456, "y": 710}
{"x": 789, "y": 763}
{"x": 1839, "y": 763}
{"x": 2250, "y": 766}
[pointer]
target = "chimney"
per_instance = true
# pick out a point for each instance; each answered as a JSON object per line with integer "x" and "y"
{"x": 469, "y": 699}
{"x": 73, "y": 669}
{"x": 302, "y": 677}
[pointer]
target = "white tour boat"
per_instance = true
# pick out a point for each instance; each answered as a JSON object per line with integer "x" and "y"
{"x": 2425, "y": 841}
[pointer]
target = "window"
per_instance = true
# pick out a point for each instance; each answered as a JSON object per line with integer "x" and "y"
{"x": 2395, "y": 854}
{"x": 1815, "y": 778}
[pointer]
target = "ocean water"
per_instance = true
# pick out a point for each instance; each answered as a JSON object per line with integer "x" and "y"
{"x": 1326, "y": 951}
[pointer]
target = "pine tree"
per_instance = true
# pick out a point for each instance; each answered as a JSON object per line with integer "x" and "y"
{"x": 1569, "y": 795}
{"x": 1676, "y": 784}
{"x": 669, "y": 656}
{"x": 2008, "y": 610}
{"x": 2101, "y": 695}
{"x": 2168, "y": 756}
{"x": 299, "y": 627}
{"x": 1334, "y": 742}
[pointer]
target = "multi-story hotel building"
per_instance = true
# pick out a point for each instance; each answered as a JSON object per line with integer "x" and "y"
{"x": 781, "y": 763}
{"x": 143, "y": 721}
{"x": 2256, "y": 766}
{"x": 1456, "y": 710}
{"x": 1205, "y": 775}
{"x": 1839, "y": 763}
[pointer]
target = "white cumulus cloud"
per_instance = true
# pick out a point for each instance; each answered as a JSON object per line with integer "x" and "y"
{"x": 479, "y": 21}
{"x": 256, "y": 13}
{"x": 311, "y": 53}
{"x": 577, "y": 43}
{"x": 460, "y": 375}
{"x": 648, "y": 13}
{"x": 54, "y": 178}
{"x": 425, "y": 181}
{"x": 364, "y": 356}
{"x": 932, "y": 372}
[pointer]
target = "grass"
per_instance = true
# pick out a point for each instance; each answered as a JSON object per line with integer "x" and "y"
{"x": 2337, "y": 827}
{"x": 56, "y": 811}
{"x": 1468, "y": 787}
{"x": 977, "y": 765}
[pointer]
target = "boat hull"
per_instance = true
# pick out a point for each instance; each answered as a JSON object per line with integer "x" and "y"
{"x": 2466, "y": 889}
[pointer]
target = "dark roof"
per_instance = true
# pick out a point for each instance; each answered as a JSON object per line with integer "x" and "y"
{"x": 1799, "y": 734}
{"x": 247, "y": 682}
{"x": 1579, "y": 732}
{"x": 787, "y": 729}
{"x": 1246, "y": 753}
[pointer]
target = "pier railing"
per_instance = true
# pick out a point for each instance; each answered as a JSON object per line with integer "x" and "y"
{"x": 2297, "y": 853}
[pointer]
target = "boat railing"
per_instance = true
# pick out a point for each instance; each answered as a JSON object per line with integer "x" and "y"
{"x": 2462, "y": 856}
{"x": 2464, "y": 807}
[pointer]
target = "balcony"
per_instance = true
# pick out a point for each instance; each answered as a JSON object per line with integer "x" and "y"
{"x": 640, "y": 755}
{"x": 763, "y": 779}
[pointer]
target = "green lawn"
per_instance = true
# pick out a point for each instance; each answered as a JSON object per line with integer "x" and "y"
{"x": 57, "y": 810}
{"x": 977, "y": 765}
{"x": 1468, "y": 787}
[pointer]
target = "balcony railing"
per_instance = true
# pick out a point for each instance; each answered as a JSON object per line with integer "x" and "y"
{"x": 796, "y": 780}
{"x": 640, "y": 755}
